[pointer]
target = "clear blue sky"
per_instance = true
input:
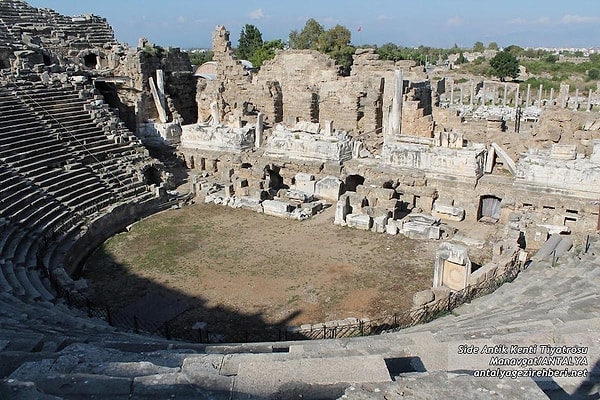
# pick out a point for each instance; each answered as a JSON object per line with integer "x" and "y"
{"x": 437, "y": 23}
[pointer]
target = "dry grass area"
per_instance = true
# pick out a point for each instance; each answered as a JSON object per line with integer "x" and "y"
{"x": 239, "y": 267}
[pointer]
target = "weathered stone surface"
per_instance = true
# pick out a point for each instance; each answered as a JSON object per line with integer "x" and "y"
{"x": 342, "y": 209}
{"x": 303, "y": 145}
{"x": 277, "y": 208}
{"x": 359, "y": 221}
{"x": 328, "y": 188}
{"x": 264, "y": 378}
{"x": 423, "y": 297}
{"x": 448, "y": 212}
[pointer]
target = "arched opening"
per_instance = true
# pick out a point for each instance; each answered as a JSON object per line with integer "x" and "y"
{"x": 152, "y": 176}
{"x": 47, "y": 60}
{"x": 109, "y": 91}
{"x": 90, "y": 60}
{"x": 352, "y": 182}
{"x": 489, "y": 209}
{"x": 275, "y": 180}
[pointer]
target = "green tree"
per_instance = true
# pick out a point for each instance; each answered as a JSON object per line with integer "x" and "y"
{"x": 308, "y": 38}
{"x": 250, "y": 42}
{"x": 515, "y": 50}
{"x": 266, "y": 52}
{"x": 200, "y": 57}
{"x": 334, "y": 39}
{"x": 389, "y": 51}
{"x": 504, "y": 64}
{"x": 593, "y": 74}
{"x": 492, "y": 46}
{"x": 478, "y": 47}
{"x": 335, "y": 42}
{"x": 461, "y": 59}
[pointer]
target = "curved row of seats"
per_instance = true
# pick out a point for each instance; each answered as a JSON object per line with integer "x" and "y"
{"x": 57, "y": 167}
{"x": 18, "y": 17}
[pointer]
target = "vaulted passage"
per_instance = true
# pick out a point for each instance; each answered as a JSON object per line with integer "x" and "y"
{"x": 489, "y": 209}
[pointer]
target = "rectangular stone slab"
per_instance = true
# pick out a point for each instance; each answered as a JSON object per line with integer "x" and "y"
{"x": 261, "y": 378}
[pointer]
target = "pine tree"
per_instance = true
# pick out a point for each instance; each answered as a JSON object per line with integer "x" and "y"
{"x": 250, "y": 42}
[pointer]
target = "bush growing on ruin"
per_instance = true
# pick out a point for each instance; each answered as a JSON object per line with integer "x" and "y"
{"x": 153, "y": 51}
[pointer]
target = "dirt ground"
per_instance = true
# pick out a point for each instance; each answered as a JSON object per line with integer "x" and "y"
{"x": 237, "y": 266}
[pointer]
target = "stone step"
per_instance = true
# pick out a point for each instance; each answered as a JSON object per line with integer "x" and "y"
{"x": 34, "y": 278}
{"x": 22, "y": 341}
{"x": 30, "y": 291}
{"x": 5, "y": 286}
{"x": 9, "y": 273}
{"x": 260, "y": 376}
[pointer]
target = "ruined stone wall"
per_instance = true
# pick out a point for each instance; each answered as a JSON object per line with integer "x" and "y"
{"x": 339, "y": 102}
{"x": 139, "y": 65}
{"x": 300, "y": 74}
{"x": 232, "y": 88}
{"x": 417, "y": 117}
{"x": 60, "y": 39}
{"x": 180, "y": 85}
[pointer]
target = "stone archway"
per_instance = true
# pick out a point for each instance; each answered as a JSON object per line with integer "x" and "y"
{"x": 489, "y": 209}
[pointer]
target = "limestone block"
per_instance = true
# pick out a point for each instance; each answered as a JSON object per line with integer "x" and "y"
{"x": 328, "y": 188}
{"x": 312, "y": 207}
{"x": 249, "y": 203}
{"x": 342, "y": 209}
{"x": 441, "y": 292}
{"x": 452, "y": 266}
{"x": 307, "y": 187}
{"x": 379, "y": 223}
{"x": 303, "y": 177}
{"x": 244, "y": 191}
{"x": 448, "y": 212}
{"x": 390, "y": 205}
{"x": 357, "y": 201}
{"x": 423, "y": 219}
{"x": 391, "y": 228}
{"x": 229, "y": 190}
{"x": 241, "y": 183}
{"x": 305, "y": 126}
{"x": 359, "y": 221}
{"x": 563, "y": 151}
{"x": 277, "y": 208}
{"x": 298, "y": 195}
{"x": 425, "y": 203}
{"x": 259, "y": 193}
{"x": 434, "y": 232}
{"x": 383, "y": 193}
{"x": 423, "y": 297}
{"x": 415, "y": 230}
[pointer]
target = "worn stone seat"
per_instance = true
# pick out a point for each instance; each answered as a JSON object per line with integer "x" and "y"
{"x": 8, "y": 270}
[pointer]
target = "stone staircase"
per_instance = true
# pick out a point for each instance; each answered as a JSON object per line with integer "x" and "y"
{"x": 18, "y": 18}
